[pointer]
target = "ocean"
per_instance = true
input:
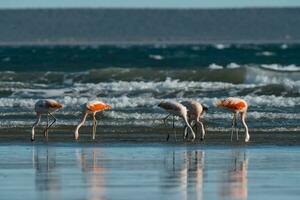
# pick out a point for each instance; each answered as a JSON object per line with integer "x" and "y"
{"x": 133, "y": 79}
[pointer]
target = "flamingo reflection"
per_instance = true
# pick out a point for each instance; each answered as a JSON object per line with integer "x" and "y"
{"x": 47, "y": 180}
{"x": 94, "y": 173}
{"x": 188, "y": 171}
{"x": 235, "y": 184}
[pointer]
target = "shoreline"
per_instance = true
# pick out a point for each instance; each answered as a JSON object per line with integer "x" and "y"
{"x": 142, "y": 135}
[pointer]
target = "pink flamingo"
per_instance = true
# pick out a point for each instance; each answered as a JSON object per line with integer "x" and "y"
{"x": 195, "y": 113}
{"x": 176, "y": 109}
{"x": 91, "y": 107}
{"x": 45, "y": 107}
{"x": 237, "y": 106}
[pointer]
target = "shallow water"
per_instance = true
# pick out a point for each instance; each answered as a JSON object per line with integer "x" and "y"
{"x": 148, "y": 171}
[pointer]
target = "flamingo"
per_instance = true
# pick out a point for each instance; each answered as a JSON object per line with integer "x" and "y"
{"x": 91, "y": 107}
{"x": 45, "y": 107}
{"x": 195, "y": 112}
{"x": 237, "y": 106}
{"x": 176, "y": 109}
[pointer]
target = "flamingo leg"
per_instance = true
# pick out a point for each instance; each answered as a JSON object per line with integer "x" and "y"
{"x": 48, "y": 127}
{"x": 165, "y": 119}
{"x": 203, "y": 130}
{"x": 94, "y": 126}
{"x": 168, "y": 137}
{"x": 185, "y": 132}
{"x": 233, "y": 125}
{"x": 174, "y": 127}
{"x": 236, "y": 131}
{"x": 46, "y": 131}
{"x": 196, "y": 127}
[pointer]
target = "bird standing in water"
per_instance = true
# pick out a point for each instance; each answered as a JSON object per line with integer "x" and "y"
{"x": 45, "y": 107}
{"x": 176, "y": 109}
{"x": 195, "y": 113}
{"x": 237, "y": 106}
{"x": 91, "y": 107}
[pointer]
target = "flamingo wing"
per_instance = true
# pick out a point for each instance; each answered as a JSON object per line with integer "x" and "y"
{"x": 50, "y": 103}
{"x": 95, "y": 106}
{"x": 232, "y": 103}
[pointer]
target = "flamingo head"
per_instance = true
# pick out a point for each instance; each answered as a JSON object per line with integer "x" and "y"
{"x": 205, "y": 107}
{"x": 108, "y": 107}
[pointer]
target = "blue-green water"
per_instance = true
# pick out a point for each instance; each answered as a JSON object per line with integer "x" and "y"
{"x": 134, "y": 79}
{"x": 120, "y": 171}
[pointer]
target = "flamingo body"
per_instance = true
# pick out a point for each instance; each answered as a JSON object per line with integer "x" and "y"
{"x": 91, "y": 107}
{"x": 176, "y": 109}
{"x": 237, "y": 106}
{"x": 173, "y": 108}
{"x": 195, "y": 112}
{"x": 195, "y": 109}
{"x": 233, "y": 104}
{"x": 45, "y": 107}
{"x": 96, "y": 106}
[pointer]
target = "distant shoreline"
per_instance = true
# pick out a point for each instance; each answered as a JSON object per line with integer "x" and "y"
{"x": 153, "y": 9}
{"x": 41, "y": 44}
{"x": 113, "y": 26}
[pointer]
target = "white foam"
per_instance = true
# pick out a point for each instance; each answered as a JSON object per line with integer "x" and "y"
{"x": 156, "y": 57}
{"x": 215, "y": 66}
{"x": 125, "y": 102}
{"x": 168, "y": 85}
{"x": 221, "y": 46}
{"x": 221, "y": 120}
{"x": 272, "y": 101}
{"x": 272, "y": 115}
{"x": 284, "y": 46}
{"x": 291, "y": 81}
{"x": 266, "y": 53}
{"x": 233, "y": 66}
{"x": 282, "y": 68}
{"x": 45, "y": 93}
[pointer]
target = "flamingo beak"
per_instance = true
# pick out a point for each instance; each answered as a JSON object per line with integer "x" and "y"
{"x": 108, "y": 107}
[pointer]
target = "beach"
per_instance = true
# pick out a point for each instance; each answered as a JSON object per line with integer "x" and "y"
{"x": 130, "y": 158}
{"x": 127, "y": 135}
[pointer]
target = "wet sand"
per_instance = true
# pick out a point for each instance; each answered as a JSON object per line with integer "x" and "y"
{"x": 123, "y": 134}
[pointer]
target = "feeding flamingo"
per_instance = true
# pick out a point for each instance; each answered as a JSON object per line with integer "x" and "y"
{"x": 45, "y": 107}
{"x": 195, "y": 113}
{"x": 237, "y": 106}
{"x": 176, "y": 109}
{"x": 91, "y": 107}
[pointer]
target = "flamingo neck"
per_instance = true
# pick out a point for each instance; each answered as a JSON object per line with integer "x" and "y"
{"x": 243, "y": 118}
{"x": 38, "y": 118}
{"x": 83, "y": 118}
{"x": 202, "y": 127}
{"x": 189, "y": 126}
